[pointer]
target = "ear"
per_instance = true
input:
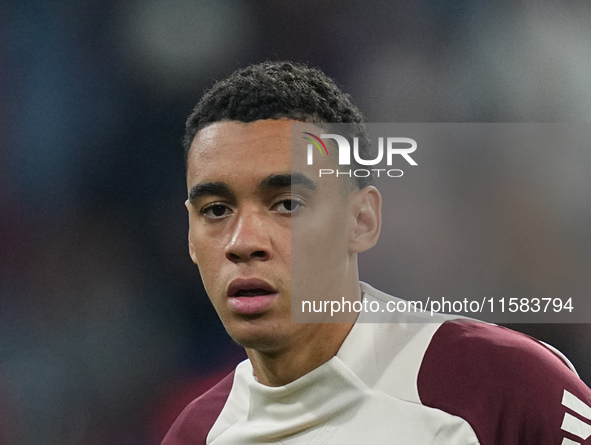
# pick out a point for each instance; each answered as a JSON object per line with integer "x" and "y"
{"x": 191, "y": 247}
{"x": 367, "y": 205}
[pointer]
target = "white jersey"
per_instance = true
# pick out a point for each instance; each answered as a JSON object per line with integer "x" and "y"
{"x": 417, "y": 381}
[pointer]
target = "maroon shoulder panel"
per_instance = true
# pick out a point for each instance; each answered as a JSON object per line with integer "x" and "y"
{"x": 506, "y": 385}
{"x": 197, "y": 419}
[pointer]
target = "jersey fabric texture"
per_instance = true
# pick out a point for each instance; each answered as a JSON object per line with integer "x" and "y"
{"x": 418, "y": 380}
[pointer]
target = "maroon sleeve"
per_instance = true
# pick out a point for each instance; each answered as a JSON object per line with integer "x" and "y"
{"x": 194, "y": 423}
{"x": 510, "y": 388}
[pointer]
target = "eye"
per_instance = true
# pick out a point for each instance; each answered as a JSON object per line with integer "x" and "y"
{"x": 215, "y": 211}
{"x": 288, "y": 206}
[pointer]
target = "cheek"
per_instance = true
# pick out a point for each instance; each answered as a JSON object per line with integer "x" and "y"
{"x": 206, "y": 255}
{"x": 208, "y": 261}
{"x": 326, "y": 227}
{"x": 205, "y": 243}
{"x": 211, "y": 279}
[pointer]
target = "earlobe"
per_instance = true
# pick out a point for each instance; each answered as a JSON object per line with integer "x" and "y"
{"x": 367, "y": 204}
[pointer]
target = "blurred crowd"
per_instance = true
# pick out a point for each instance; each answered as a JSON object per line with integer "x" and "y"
{"x": 105, "y": 330}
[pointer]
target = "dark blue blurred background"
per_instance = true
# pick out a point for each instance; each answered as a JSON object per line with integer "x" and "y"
{"x": 105, "y": 330}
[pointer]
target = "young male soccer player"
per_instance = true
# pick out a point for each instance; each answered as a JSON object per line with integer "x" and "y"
{"x": 443, "y": 382}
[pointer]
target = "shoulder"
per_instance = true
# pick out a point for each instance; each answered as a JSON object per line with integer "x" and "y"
{"x": 194, "y": 423}
{"x": 510, "y": 387}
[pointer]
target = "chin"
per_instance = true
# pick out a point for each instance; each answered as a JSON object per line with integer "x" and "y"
{"x": 262, "y": 337}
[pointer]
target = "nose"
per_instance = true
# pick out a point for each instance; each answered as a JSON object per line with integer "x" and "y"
{"x": 249, "y": 239}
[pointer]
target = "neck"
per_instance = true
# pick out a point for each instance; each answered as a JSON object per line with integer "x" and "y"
{"x": 313, "y": 345}
{"x": 279, "y": 368}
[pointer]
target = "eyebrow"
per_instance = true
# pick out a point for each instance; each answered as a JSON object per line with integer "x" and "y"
{"x": 209, "y": 189}
{"x": 270, "y": 182}
{"x": 287, "y": 180}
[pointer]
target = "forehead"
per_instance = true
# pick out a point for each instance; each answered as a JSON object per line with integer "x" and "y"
{"x": 224, "y": 150}
{"x": 230, "y": 139}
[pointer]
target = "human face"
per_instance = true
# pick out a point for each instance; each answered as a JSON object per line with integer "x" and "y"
{"x": 243, "y": 198}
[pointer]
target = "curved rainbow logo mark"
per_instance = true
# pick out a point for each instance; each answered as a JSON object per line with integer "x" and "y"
{"x": 316, "y": 143}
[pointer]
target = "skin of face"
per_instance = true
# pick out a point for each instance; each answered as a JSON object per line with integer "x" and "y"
{"x": 248, "y": 205}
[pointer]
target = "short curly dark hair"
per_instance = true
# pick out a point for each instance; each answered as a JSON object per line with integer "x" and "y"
{"x": 275, "y": 90}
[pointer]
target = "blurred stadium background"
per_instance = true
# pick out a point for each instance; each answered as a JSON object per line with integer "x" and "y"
{"x": 105, "y": 331}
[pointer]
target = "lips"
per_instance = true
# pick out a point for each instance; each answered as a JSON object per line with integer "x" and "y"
{"x": 249, "y": 296}
{"x": 241, "y": 287}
